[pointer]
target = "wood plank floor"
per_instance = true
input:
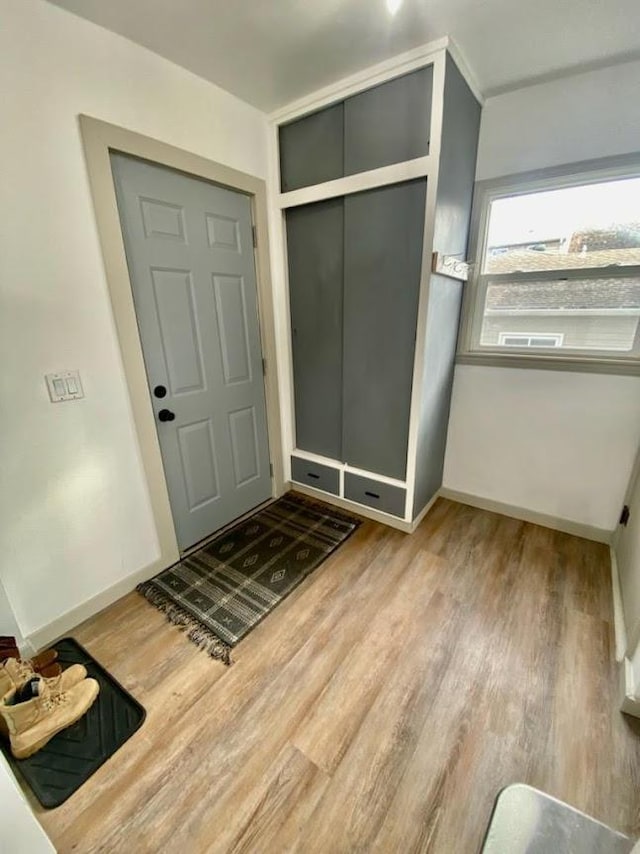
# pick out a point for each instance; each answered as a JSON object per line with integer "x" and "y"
{"x": 380, "y": 708}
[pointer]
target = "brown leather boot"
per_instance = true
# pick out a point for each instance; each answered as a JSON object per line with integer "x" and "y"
{"x": 43, "y": 663}
{"x": 34, "y": 721}
{"x": 43, "y": 660}
{"x": 49, "y": 671}
{"x": 8, "y": 648}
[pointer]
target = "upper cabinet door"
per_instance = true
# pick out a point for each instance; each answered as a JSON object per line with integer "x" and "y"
{"x": 389, "y": 123}
{"x": 312, "y": 149}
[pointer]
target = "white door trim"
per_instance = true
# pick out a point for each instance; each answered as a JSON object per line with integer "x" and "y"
{"x": 99, "y": 138}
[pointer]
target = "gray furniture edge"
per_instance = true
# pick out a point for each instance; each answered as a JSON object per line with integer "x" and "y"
{"x": 460, "y": 130}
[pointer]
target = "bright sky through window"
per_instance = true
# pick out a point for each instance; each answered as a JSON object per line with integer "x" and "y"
{"x": 556, "y": 214}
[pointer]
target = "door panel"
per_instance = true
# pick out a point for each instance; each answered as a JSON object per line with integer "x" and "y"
{"x": 198, "y": 456}
{"x": 175, "y": 305}
{"x": 162, "y": 219}
{"x": 190, "y": 254}
{"x": 223, "y": 232}
{"x": 231, "y": 312}
{"x": 244, "y": 442}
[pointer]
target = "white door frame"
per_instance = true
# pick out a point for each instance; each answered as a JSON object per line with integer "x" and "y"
{"x": 99, "y": 138}
{"x": 630, "y": 635}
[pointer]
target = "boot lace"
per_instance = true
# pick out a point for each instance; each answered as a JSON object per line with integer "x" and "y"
{"x": 23, "y": 669}
{"x": 53, "y": 684}
{"x": 54, "y": 701}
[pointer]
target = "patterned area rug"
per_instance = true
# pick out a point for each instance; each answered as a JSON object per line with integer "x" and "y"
{"x": 222, "y": 591}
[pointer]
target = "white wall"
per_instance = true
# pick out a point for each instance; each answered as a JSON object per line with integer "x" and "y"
{"x": 8, "y": 623}
{"x": 550, "y": 442}
{"x": 75, "y": 514}
{"x": 21, "y": 830}
{"x": 595, "y": 114}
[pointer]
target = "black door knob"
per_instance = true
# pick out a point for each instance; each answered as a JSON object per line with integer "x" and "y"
{"x": 160, "y": 391}
{"x": 166, "y": 415}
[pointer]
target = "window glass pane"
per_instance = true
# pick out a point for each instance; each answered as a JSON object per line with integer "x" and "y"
{"x": 593, "y": 225}
{"x": 523, "y": 339}
{"x": 578, "y": 314}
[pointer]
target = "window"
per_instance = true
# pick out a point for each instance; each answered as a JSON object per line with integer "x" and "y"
{"x": 518, "y": 339}
{"x": 558, "y": 270}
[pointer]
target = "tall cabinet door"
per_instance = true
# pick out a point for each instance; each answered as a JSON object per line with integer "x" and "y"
{"x": 315, "y": 242}
{"x": 382, "y": 264}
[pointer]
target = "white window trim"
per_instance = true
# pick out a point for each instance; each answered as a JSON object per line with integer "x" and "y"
{"x": 469, "y": 351}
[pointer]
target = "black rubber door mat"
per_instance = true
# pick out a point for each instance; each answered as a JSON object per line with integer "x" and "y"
{"x": 73, "y": 755}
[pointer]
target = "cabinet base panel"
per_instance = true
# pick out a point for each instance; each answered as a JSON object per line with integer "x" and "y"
{"x": 361, "y": 510}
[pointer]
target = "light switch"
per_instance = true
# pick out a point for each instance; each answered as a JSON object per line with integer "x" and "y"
{"x": 64, "y": 385}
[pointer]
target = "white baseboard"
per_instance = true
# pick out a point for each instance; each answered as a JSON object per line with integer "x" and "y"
{"x": 629, "y": 703}
{"x": 618, "y": 613}
{"x": 567, "y": 526}
{"x": 62, "y": 625}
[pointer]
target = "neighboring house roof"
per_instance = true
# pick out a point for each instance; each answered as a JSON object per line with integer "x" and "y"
{"x": 530, "y": 261}
{"x": 589, "y": 294}
{"x": 552, "y": 242}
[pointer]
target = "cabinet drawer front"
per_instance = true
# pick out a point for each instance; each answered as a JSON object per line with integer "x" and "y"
{"x": 373, "y": 493}
{"x": 316, "y": 475}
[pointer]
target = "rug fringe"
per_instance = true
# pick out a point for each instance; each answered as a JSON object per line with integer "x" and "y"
{"x": 198, "y": 634}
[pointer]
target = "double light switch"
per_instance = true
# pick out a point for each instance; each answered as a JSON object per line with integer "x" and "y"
{"x": 64, "y": 385}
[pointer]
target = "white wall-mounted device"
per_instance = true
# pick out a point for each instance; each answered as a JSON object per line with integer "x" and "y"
{"x": 64, "y": 385}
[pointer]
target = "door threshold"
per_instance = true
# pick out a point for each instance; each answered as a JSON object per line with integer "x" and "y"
{"x": 206, "y": 540}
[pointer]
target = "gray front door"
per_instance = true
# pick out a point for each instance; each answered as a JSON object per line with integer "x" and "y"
{"x": 190, "y": 255}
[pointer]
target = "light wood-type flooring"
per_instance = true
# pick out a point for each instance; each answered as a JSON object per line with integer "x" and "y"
{"x": 380, "y": 708}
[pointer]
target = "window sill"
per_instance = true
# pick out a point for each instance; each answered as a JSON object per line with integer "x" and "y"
{"x": 537, "y": 362}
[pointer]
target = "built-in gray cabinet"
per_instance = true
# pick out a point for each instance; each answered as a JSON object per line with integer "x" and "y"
{"x": 373, "y": 330}
{"x": 386, "y": 124}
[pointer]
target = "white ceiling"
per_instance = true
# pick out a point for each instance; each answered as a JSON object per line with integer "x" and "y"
{"x": 270, "y": 52}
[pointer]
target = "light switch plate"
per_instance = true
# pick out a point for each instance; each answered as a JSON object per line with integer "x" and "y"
{"x": 64, "y": 385}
